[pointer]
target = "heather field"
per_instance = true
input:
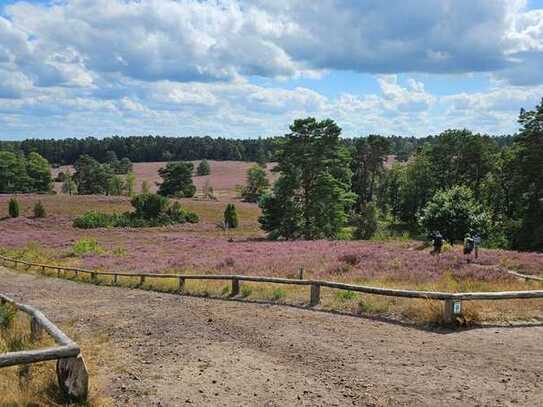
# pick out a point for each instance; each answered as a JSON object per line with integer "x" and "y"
{"x": 204, "y": 248}
{"x": 226, "y": 176}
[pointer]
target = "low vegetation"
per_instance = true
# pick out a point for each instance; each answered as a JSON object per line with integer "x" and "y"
{"x": 149, "y": 210}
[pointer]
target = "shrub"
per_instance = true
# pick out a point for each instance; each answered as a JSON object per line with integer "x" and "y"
{"x": 86, "y": 246}
{"x": 192, "y": 217}
{"x": 7, "y": 315}
{"x": 345, "y": 295}
{"x": 39, "y": 210}
{"x": 203, "y": 168}
{"x": 351, "y": 259}
{"x": 93, "y": 220}
{"x": 13, "y": 208}
{"x": 231, "y": 220}
{"x": 246, "y": 291}
{"x": 278, "y": 293}
{"x": 149, "y": 206}
{"x": 150, "y": 210}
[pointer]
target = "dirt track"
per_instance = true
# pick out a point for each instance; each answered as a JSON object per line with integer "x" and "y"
{"x": 174, "y": 351}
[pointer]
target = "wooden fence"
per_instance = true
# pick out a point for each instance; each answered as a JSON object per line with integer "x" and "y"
{"x": 71, "y": 369}
{"x": 452, "y": 302}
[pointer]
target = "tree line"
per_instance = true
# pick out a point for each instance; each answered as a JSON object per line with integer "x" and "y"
{"x": 158, "y": 148}
{"x": 457, "y": 182}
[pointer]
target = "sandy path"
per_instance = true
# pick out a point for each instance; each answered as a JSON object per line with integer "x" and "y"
{"x": 174, "y": 351}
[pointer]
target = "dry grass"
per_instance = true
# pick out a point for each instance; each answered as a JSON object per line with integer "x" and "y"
{"x": 35, "y": 385}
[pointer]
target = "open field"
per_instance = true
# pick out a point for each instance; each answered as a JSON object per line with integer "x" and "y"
{"x": 226, "y": 176}
{"x": 203, "y": 248}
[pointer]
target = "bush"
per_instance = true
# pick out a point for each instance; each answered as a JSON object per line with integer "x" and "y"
{"x": 13, "y": 208}
{"x": 7, "y": 315}
{"x": 149, "y": 206}
{"x": 231, "y": 219}
{"x": 454, "y": 212}
{"x": 278, "y": 293}
{"x": 93, "y": 220}
{"x": 39, "y": 210}
{"x": 150, "y": 210}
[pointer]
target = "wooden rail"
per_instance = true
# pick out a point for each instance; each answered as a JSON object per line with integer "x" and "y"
{"x": 452, "y": 301}
{"x": 71, "y": 370}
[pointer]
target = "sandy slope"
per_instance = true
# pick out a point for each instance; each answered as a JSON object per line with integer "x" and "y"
{"x": 174, "y": 351}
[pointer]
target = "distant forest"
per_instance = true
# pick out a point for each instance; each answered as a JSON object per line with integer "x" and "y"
{"x": 158, "y": 148}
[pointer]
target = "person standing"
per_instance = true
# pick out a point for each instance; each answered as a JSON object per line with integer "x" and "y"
{"x": 437, "y": 242}
{"x": 468, "y": 247}
{"x": 476, "y": 244}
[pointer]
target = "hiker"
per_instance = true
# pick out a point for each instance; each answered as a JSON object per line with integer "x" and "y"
{"x": 437, "y": 242}
{"x": 469, "y": 245}
{"x": 476, "y": 243}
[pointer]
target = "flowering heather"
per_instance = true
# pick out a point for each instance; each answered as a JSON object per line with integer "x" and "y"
{"x": 202, "y": 248}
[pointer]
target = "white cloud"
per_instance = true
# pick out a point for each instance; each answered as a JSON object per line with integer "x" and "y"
{"x": 81, "y": 67}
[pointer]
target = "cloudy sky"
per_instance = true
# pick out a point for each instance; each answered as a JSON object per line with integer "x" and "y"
{"x": 246, "y": 68}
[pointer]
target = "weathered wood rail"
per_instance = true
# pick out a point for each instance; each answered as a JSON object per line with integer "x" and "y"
{"x": 452, "y": 308}
{"x": 72, "y": 372}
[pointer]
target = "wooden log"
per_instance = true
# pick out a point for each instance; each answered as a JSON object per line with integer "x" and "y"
{"x": 315, "y": 298}
{"x": 42, "y": 355}
{"x": 181, "y": 285}
{"x": 73, "y": 378}
{"x": 235, "y": 288}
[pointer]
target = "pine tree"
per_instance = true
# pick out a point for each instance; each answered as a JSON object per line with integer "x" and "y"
{"x": 311, "y": 197}
{"x": 231, "y": 220}
{"x": 13, "y": 208}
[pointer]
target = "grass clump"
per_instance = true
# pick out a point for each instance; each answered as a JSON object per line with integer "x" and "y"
{"x": 278, "y": 293}
{"x": 345, "y": 295}
{"x": 246, "y": 291}
{"x": 7, "y": 315}
{"x": 84, "y": 247}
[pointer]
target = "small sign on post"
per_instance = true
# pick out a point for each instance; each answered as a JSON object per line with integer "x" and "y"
{"x": 457, "y": 308}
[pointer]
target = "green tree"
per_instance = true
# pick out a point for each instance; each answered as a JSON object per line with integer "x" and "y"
{"x": 203, "y": 168}
{"x": 92, "y": 177}
{"x": 366, "y": 222}
{"x": 69, "y": 186}
{"x": 130, "y": 183}
{"x": 39, "y": 210}
{"x": 13, "y": 208}
{"x": 257, "y": 184}
{"x": 367, "y": 166}
{"x": 311, "y": 197}
{"x": 116, "y": 186}
{"x": 454, "y": 212}
{"x": 39, "y": 172}
{"x": 528, "y": 178}
{"x": 231, "y": 220}
{"x": 144, "y": 187}
{"x": 177, "y": 180}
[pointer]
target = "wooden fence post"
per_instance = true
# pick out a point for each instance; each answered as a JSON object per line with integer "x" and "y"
{"x": 142, "y": 280}
{"x": 36, "y": 330}
{"x": 73, "y": 378}
{"x": 301, "y": 274}
{"x": 93, "y": 277}
{"x": 181, "y": 285}
{"x": 451, "y": 310}
{"x": 235, "y": 288}
{"x": 315, "y": 295}
{"x": 114, "y": 279}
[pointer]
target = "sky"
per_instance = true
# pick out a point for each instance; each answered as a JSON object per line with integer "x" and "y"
{"x": 248, "y": 68}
